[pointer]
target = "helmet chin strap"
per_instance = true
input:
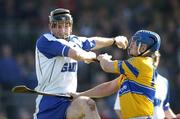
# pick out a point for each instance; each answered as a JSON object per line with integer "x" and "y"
{"x": 142, "y": 53}
{"x": 147, "y": 50}
{"x": 138, "y": 49}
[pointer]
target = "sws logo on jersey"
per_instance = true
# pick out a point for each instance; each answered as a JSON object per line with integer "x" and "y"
{"x": 69, "y": 67}
{"x": 123, "y": 89}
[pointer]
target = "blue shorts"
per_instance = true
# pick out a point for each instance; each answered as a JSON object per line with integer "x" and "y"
{"x": 52, "y": 107}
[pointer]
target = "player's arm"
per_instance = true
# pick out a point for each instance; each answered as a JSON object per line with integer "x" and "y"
{"x": 102, "y": 90}
{"x": 120, "y": 41}
{"x": 169, "y": 114}
{"x": 119, "y": 114}
{"x": 62, "y": 48}
{"x": 106, "y": 63}
{"x": 81, "y": 55}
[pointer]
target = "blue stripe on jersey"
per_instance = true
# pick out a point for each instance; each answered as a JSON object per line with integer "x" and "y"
{"x": 51, "y": 48}
{"x": 133, "y": 69}
{"x": 120, "y": 67}
{"x": 88, "y": 45}
{"x": 53, "y": 107}
{"x": 155, "y": 73}
{"x": 134, "y": 87}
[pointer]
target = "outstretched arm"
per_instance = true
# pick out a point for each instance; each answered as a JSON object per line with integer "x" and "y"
{"x": 63, "y": 48}
{"x": 81, "y": 55}
{"x": 102, "y": 90}
{"x": 120, "y": 41}
{"x": 169, "y": 114}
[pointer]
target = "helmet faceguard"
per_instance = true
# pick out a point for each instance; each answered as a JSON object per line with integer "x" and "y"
{"x": 156, "y": 57}
{"x": 61, "y": 23}
{"x": 151, "y": 39}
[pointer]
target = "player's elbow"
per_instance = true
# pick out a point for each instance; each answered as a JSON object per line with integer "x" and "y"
{"x": 110, "y": 87}
{"x": 107, "y": 67}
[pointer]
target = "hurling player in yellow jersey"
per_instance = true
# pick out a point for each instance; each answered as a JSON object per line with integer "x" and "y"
{"x": 136, "y": 81}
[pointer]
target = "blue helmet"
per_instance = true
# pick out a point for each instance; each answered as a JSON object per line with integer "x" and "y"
{"x": 151, "y": 39}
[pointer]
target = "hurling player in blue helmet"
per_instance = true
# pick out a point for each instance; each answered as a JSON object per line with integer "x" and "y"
{"x": 136, "y": 83}
{"x": 162, "y": 109}
{"x": 149, "y": 39}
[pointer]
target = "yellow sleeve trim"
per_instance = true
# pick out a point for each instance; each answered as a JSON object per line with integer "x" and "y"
{"x": 120, "y": 78}
{"x": 116, "y": 69}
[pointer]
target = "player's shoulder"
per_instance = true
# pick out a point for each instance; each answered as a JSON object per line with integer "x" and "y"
{"x": 141, "y": 63}
{"x": 74, "y": 38}
{"x": 147, "y": 61}
{"x": 140, "y": 58}
{"x": 80, "y": 38}
{"x": 47, "y": 36}
{"x": 134, "y": 59}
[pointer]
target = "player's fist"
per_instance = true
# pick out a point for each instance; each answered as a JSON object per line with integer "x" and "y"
{"x": 106, "y": 62}
{"x": 121, "y": 42}
{"x": 104, "y": 57}
{"x": 74, "y": 95}
{"x": 89, "y": 57}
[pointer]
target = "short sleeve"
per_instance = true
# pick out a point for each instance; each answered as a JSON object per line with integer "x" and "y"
{"x": 87, "y": 44}
{"x": 51, "y": 48}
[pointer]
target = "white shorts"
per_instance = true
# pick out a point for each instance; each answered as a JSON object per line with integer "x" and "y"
{"x": 117, "y": 103}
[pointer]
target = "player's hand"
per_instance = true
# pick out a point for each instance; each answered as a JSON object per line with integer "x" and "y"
{"x": 74, "y": 95}
{"x": 104, "y": 57}
{"x": 121, "y": 42}
{"x": 106, "y": 62}
{"x": 90, "y": 57}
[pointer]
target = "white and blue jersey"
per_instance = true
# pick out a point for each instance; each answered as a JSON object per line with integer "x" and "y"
{"x": 56, "y": 72}
{"x": 161, "y": 101}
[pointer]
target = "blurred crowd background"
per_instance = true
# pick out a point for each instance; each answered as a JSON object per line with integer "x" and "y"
{"x": 23, "y": 21}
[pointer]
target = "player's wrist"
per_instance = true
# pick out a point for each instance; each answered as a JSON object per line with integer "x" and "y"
{"x": 114, "y": 41}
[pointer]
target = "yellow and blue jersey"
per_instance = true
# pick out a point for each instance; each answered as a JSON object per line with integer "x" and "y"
{"x": 137, "y": 88}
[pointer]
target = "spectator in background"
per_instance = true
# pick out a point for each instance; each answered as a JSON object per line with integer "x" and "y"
{"x": 10, "y": 73}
